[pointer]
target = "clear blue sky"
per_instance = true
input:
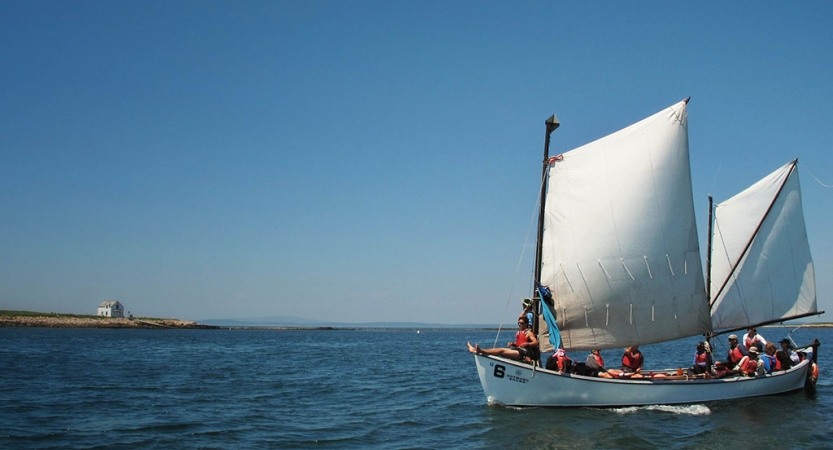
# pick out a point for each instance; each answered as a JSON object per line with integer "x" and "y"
{"x": 364, "y": 161}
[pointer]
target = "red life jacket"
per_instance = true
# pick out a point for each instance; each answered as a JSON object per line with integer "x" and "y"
{"x": 735, "y": 355}
{"x": 599, "y": 360}
{"x": 561, "y": 360}
{"x": 750, "y": 366}
{"x": 774, "y": 364}
{"x": 520, "y": 338}
{"x": 632, "y": 361}
{"x": 700, "y": 359}
{"x": 754, "y": 341}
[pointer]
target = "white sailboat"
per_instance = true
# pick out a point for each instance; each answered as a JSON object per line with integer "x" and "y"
{"x": 618, "y": 248}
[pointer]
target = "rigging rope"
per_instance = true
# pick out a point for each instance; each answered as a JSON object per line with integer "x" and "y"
{"x": 804, "y": 166}
{"x": 520, "y": 260}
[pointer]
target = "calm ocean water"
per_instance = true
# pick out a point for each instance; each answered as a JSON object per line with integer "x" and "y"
{"x": 89, "y": 388}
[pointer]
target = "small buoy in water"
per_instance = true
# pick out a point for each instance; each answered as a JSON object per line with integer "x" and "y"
{"x": 417, "y": 331}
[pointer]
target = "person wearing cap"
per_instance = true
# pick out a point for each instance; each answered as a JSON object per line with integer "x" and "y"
{"x": 750, "y": 365}
{"x": 736, "y": 352}
{"x": 784, "y": 354}
{"x": 527, "y": 312}
{"x": 753, "y": 338}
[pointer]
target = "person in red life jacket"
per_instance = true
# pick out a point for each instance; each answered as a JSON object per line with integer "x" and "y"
{"x": 750, "y": 365}
{"x": 771, "y": 363}
{"x": 736, "y": 352}
{"x": 559, "y": 361}
{"x": 702, "y": 359}
{"x": 525, "y": 347}
{"x": 632, "y": 361}
{"x": 753, "y": 338}
{"x": 784, "y": 355}
{"x": 721, "y": 370}
{"x": 595, "y": 362}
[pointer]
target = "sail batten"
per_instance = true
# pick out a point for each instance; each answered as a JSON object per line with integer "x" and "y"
{"x": 619, "y": 232}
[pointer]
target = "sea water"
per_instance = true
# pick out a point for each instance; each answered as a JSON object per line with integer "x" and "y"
{"x": 105, "y": 388}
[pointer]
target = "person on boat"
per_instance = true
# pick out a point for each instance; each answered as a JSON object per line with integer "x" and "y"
{"x": 527, "y": 311}
{"x": 524, "y": 348}
{"x": 595, "y": 362}
{"x": 753, "y": 338}
{"x": 770, "y": 361}
{"x": 632, "y": 361}
{"x": 784, "y": 355}
{"x": 721, "y": 370}
{"x": 736, "y": 352}
{"x": 750, "y": 365}
{"x": 702, "y": 359}
{"x": 559, "y": 361}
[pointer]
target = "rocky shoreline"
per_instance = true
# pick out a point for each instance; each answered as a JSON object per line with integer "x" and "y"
{"x": 58, "y": 321}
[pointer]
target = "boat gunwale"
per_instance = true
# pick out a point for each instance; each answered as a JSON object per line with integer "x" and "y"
{"x": 648, "y": 380}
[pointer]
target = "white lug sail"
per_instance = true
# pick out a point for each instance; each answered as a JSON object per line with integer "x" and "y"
{"x": 761, "y": 264}
{"x": 620, "y": 247}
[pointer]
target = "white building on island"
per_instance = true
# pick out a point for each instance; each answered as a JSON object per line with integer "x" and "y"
{"x": 110, "y": 308}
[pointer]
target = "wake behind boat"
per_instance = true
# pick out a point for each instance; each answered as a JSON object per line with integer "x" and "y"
{"x": 618, "y": 265}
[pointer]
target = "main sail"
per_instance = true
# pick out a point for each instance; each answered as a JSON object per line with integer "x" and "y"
{"x": 620, "y": 246}
{"x": 762, "y": 270}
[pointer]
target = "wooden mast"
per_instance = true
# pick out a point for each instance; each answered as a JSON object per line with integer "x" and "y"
{"x": 551, "y": 124}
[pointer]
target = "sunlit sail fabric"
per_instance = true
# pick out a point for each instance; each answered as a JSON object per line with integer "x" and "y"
{"x": 760, "y": 233}
{"x": 620, "y": 248}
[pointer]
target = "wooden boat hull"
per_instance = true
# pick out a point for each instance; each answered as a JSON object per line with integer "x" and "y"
{"x": 513, "y": 383}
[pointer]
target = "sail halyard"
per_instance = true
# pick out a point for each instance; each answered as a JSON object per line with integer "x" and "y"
{"x": 620, "y": 249}
{"x": 762, "y": 269}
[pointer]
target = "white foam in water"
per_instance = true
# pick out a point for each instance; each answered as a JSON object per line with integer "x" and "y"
{"x": 690, "y": 410}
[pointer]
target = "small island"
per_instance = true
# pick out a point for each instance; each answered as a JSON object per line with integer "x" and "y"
{"x": 56, "y": 320}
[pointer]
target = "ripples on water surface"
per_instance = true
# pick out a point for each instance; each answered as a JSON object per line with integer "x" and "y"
{"x": 79, "y": 388}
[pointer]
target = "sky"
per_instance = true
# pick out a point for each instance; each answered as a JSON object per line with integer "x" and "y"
{"x": 358, "y": 161}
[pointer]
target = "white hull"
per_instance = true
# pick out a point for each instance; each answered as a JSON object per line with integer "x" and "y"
{"x": 515, "y": 384}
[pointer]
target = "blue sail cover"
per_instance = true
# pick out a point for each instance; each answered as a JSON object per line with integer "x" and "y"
{"x": 549, "y": 316}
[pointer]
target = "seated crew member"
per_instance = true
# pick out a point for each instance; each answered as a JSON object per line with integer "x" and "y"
{"x": 702, "y": 359}
{"x": 721, "y": 370}
{"x": 595, "y": 362}
{"x": 525, "y": 347}
{"x": 753, "y": 338}
{"x": 736, "y": 352}
{"x": 632, "y": 361}
{"x": 784, "y": 355}
{"x": 768, "y": 357}
{"x": 750, "y": 365}
{"x": 559, "y": 361}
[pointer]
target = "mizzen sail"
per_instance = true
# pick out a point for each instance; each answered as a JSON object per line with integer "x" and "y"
{"x": 620, "y": 247}
{"x": 761, "y": 264}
